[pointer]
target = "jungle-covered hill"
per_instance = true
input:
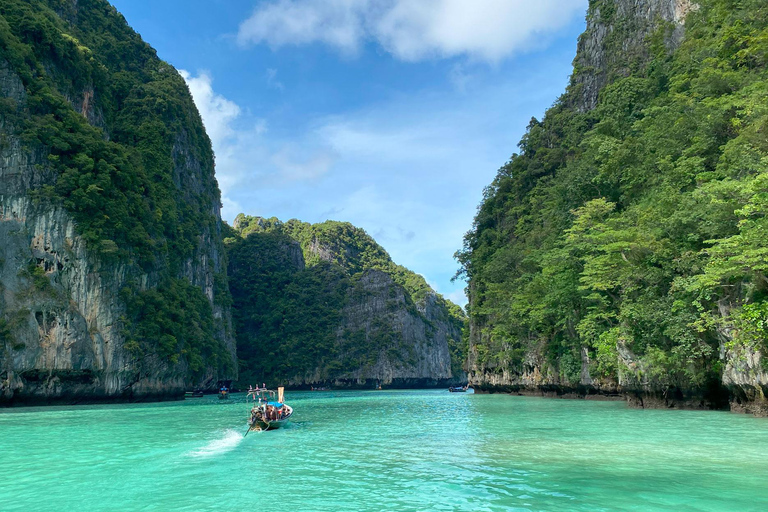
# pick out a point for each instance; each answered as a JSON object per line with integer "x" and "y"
{"x": 112, "y": 268}
{"x": 624, "y": 248}
{"x": 323, "y": 304}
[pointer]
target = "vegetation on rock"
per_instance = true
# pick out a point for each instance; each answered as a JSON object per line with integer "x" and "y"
{"x": 291, "y": 283}
{"x": 636, "y": 230}
{"x": 121, "y": 132}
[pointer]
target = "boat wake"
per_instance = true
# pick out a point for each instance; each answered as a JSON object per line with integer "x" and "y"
{"x": 227, "y": 443}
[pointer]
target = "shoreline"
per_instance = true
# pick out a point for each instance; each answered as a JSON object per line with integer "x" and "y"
{"x": 633, "y": 399}
{"x": 75, "y": 400}
{"x": 639, "y": 399}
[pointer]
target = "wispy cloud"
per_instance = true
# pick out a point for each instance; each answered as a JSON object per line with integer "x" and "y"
{"x": 246, "y": 157}
{"x": 217, "y": 112}
{"x": 457, "y": 297}
{"x": 287, "y": 22}
{"x": 411, "y": 30}
{"x": 272, "y": 81}
{"x": 304, "y": 168}
{"x": 409, "y": 170}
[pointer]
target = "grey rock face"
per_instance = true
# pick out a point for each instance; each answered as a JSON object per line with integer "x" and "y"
{"x": 378, "y": 334}
{"x": 743, "y": 374}
{"x": 631, "y": 21}
{"x": 64, "y": 315}
{"x": 627, "y": 26}
{"x": 420, "y": 356}
{"x": 746, "y": 379}
{"x": 322, "y": 252}
{"x": 419, "y": 348}
{"x": 624, "y": 24}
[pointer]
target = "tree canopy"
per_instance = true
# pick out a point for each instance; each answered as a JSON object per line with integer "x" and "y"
{"x": 640, "y": 225}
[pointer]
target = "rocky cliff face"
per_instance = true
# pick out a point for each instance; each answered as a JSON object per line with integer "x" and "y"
{"x": 745, "y": 374}
{"x": 65, "y": 321}
{"x": 599, "y": 311}
{"x": 631, "y": 22}
{"x": 626, "y": 24}
{"x": 337, "y": 313}
{"x": 417, "y": 352}
{"x": 402, "y": 346}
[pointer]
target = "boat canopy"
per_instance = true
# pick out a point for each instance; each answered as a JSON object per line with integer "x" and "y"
{"x": 275, "y": 404}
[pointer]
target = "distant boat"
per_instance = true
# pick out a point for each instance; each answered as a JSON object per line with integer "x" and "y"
{"x": 198, "y": 393}
{"x": 458, "y": 389}
{"x": 224, "y": 394}
{"x": 266, "y": 412}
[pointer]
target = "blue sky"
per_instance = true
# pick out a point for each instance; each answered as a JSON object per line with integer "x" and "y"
{"x": 389, "y": 114}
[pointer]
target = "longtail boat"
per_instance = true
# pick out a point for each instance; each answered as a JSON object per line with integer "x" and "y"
{"x": 268, "y": 412}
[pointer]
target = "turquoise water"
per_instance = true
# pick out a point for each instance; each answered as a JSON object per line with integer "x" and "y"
{"x": 383, "y": 450}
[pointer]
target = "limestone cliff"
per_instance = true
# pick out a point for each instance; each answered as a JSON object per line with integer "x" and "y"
{"x": 624, "y": 24}
{"x": 584, "y": 279}
{"x": 611, "y": 24}
{"x": 323, "y": 305}
{"x": 98, "y": 222}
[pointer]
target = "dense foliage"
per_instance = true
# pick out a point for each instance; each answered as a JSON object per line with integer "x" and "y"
{"x": 291, "y": 282}
{"x": 121, "y": 175}
{"x": 637, "y": 229}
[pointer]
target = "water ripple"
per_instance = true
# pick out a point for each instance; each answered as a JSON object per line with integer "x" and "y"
{"x": 386, "y": 450}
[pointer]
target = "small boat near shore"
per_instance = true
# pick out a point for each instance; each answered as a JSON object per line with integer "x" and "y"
{"x": 268, "y": 412}
{"x": 458, "y": 389}
{"x": 198, "y": 393}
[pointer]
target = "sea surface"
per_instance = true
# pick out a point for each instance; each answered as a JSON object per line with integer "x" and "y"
{"x": 380, "y": 451}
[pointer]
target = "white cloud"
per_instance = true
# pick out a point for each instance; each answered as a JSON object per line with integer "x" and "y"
{"x": 245, "y": 157}
{"x": 409, "y": 170}
{"x": 457, "y": 297}
{"x": 459, "y": 77}
{"x": 217, "y": 112}
{"x": 411, "y": 29}
{"x": 285, "y": 22}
